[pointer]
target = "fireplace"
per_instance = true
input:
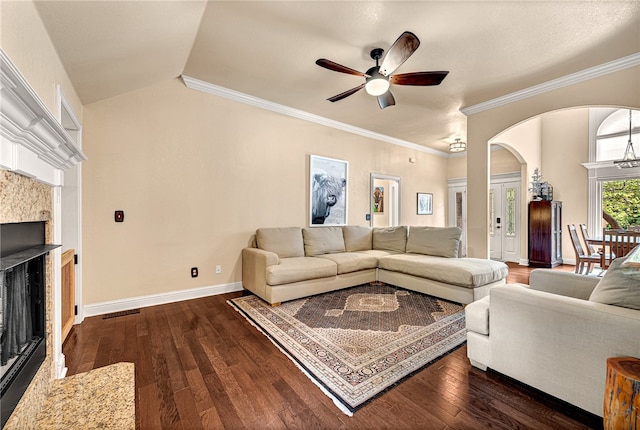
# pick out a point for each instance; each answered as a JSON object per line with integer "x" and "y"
{"x": 22, "y": 311}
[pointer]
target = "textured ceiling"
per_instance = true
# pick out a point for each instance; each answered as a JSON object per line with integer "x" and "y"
{"x": 268, "y": 50}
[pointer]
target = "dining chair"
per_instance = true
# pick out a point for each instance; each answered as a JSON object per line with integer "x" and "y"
{"x": 583, "y": 260}
{"x": 587, "y": 240}
{"x": 619, "y": 243}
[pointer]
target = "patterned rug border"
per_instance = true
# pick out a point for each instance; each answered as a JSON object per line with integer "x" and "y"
{"x": 336, "y": 398}
{"x": 326, "y": 390}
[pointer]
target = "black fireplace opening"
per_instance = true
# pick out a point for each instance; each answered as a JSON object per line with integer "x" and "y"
{"x": 22, "y": 310}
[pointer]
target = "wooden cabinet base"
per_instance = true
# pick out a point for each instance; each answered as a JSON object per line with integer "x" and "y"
{"x": 622, "y": 394}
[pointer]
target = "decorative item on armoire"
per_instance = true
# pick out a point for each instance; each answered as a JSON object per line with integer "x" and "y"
{"x": 540, "y": 190}
{"x": 536, "y": 184}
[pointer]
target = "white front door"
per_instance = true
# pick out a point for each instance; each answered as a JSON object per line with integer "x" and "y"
{"x": 504, "y": 221}
{"x": 495, "y": 222}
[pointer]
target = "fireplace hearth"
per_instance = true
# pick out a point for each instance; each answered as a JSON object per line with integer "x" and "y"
{"x": 22, "y": 311}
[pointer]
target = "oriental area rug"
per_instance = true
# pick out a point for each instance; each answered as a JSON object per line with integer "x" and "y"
{"x": 358, "y": 342}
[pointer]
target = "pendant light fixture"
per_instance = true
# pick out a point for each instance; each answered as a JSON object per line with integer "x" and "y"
{"x": 457, "y": 146}
{"x": 629, "y": 159}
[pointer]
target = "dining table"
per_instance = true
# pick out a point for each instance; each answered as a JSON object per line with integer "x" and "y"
{"x": 608, "y": 242}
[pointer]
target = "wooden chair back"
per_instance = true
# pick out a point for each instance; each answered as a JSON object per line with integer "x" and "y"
{"x": 575, "y": 240}
{"x": 583, "y": 260}
{"x": 585, "y": 237}
{"x": 619, "y": 243}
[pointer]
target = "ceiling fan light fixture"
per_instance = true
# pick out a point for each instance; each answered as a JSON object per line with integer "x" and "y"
{"x": 377, "y": 87}
{"x": 629, "y": 160}
{"x": 457, "y": 146}
{"x": 377, "y": 84}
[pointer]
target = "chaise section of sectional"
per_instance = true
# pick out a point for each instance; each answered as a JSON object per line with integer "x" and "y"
{"x": 430, "y": 265}
{"x": 462, "y": 280}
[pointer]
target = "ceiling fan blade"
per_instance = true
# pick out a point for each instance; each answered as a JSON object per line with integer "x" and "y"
{"x": 386, "y": 99}
{"x": 401, "y": 49}
{"x": 328, "y": 64}
{"x": 419, "y": 78}
{"x": 346, "y": 93}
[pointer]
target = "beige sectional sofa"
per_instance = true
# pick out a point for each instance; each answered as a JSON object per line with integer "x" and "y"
{"x": 293, "y": 262}
{"x": 557, "y": 333}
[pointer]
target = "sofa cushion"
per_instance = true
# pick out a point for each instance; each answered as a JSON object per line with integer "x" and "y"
{"x": 297, "y": 269}
{"x": 463, "y": 272}
{"x": 438, "y": 241}
{"x": 352, "y": 261}
{"x": 620, "y": 285}
{"x": 284, "y": 241}
{"x": 390, "y": 238}
{"x": 322, "y": 240}
{"x": 357, "y": 237}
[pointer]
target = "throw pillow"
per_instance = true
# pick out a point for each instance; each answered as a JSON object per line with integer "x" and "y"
{"x": 633, "y": 258}
{"x": 390, "y": 238}
{"x": 620, "y": 286}
{"x": 357, "y": 237}
{"x": 322, "y": 240}
{"x": 436, "y": 241}
{"x": 286, "y": 241}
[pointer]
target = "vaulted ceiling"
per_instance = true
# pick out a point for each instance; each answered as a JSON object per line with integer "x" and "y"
{"x": 268, "y": 50}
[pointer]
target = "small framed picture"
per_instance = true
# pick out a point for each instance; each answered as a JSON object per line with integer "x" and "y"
{"x": 377, "y": 199}
{"x": 425, "y": 204}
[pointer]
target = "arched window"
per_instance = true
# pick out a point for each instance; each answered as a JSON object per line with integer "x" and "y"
{"x": 613, "y": 134}
{"x": 614, "y": 194}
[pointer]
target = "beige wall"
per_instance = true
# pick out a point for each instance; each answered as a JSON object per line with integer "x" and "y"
{"x": 565, "y": 144}
{"x": 26, "y": 42}
{"x": 196, "y": 174}
{"x": 621, "y": 88}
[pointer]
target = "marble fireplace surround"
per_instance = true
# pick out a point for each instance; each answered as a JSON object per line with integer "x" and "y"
{"x": 35, "y": 150}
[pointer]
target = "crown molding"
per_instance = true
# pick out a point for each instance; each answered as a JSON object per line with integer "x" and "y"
{"x": 209, "y": 88}
{"x": 565, "y": 81}
{"x": 33, "y": 142}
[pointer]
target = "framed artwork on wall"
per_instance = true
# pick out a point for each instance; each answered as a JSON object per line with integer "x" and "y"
{"x": 377, "y": 197}
{"x": 327, "y": 191}
{"x": 425, "y": 204}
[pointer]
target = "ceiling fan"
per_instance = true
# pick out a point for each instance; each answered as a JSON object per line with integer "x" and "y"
{"x": 379, "y": 78}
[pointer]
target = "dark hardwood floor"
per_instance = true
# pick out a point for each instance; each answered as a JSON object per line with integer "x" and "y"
{"x": 201, "y": 365}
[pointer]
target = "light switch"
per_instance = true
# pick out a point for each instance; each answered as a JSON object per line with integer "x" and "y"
{"x": 119, "y": 216}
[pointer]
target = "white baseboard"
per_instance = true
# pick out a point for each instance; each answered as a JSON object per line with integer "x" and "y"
{"x": 102, "y": 308}
{"x": 524, "y": 262}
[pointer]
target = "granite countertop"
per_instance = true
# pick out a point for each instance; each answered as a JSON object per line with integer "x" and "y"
{"x": 102, "y": 398}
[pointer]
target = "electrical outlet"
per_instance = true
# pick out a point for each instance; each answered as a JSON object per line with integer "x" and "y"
{"x": 194, "y": 272}
{"x": 218, "y": 269}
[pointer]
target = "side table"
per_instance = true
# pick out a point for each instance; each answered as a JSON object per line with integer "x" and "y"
{"x": 622, "y": 394}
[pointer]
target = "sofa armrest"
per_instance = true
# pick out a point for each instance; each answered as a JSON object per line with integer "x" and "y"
{"x": 559, "y": 344}
{"x": 254, "y": 270}
{"x": 563, "y": 283}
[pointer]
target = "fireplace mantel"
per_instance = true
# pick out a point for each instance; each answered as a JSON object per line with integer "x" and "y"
{"x": 32, "y": 142}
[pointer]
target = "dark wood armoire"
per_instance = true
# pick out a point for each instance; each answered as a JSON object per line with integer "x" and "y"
{"x": 545, "y": 233}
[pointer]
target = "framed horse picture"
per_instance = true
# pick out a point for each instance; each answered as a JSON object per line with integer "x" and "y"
{"x": 327, "y": 191}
